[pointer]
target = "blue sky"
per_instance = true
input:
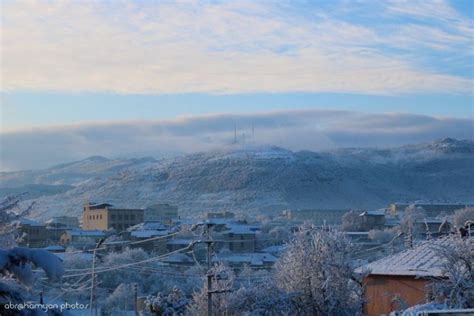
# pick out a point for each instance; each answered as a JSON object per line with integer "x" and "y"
{"x": 83, "y": 64}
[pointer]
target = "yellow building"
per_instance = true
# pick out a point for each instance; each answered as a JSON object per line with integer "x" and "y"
{"x": 104, "y": 216}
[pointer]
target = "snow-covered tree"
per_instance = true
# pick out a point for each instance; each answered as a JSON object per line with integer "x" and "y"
{"x": 133, "y": 274}
{"x": 382, "y": 236}
{"x": 409, "y": 219}
{"x": 352, "y": 222}
{"x": 315, "y": 268}
{"x": 462, "y": 216}
{"x": 173, "y": 304}
{"x": 222, "y": 282}
{"x": 261, "y": 297}
{"x": 121, "y": 299}
{"x": 16, "y": 263}
{"x": 456, "y": 288}
{"x": 16, "y": 268}
{"x": 10, "y": 214}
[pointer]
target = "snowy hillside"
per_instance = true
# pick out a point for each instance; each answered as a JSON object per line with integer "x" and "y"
{"x": 262, "y": 179}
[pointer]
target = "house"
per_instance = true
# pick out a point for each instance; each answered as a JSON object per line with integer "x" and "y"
{"x": 104, "y": 216}
{"x": 254, "y": 259}
{"x": 240, "y": 238}
{"x": 63, "y": 221}
{"x": 34, "y": 234}
{"x": 163, "y": 212}
{"x": 78, "y": 237}
{"x": 401, "y": 280}
{"x": 372, "y": 220}
{"x": 150, "y": 240}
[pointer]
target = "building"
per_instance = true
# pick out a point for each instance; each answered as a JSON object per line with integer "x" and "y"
{"x": 432, "y": 209}
{"x": 372, "y": 220}
{"x": 254, "y": 259}
{"x": 104, "y": 216}
{"x": 319, "y": 217}
{"x": 225, "y": 214}
{"x": 240, "y": 238}
{"x": 64, "y": 221}
{"x": 33, "y": 234}
{"x": 161, "y": 213}
{"x": 80, "y": 237}
{"x": 150, "y": 236}
{"x": 401, "y": 280}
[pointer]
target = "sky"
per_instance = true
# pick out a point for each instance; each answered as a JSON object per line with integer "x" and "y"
{"x": 76, "y": 74}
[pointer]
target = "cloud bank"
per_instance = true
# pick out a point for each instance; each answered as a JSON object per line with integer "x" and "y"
{"x": 296, "y": 130}
{"x": 236, "y": 47}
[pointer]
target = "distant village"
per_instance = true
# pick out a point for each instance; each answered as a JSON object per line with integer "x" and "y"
{"x": 383, "y": 238}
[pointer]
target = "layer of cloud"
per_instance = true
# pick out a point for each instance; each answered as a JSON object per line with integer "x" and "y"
{"x": 296, "y": 130}
{"x": 231, "y": 47}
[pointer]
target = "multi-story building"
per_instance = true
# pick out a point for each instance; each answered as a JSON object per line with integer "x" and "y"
{"x": 161, "y": 213}
{"x": 104, "y": 216}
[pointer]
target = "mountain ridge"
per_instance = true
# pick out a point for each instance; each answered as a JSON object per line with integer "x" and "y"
{"x": 267, "y": 178}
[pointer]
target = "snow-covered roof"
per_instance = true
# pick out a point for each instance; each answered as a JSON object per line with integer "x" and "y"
{"x": 86, "y": 233}
{"x": 147, "y": 226}
{"x": 254, "y": 258}
{"x": 274, "y": 249}
{"x": 241, "y": 229}
{"x": 82, "y": 255}
{"x": 373, "y": 213}
{"x": 148, "y": 233}
{"x": 178, "y": 258}
{"x": 179, "y": 241}
{"x": 356, "y": 233}
{"x": 421, "y": 261}
{"x": 54, "y": 248}
{"x": 219, "y": 221}
{"x": 29, "y": 222}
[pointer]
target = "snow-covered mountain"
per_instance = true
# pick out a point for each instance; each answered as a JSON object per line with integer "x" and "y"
{"x": 261, "y": 179}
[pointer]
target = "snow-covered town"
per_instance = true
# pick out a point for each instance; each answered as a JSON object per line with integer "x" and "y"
{"x": 236, "y": 158}
{"x": 151, "y": 261}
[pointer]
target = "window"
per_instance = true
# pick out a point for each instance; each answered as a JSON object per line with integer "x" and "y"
{"x": 113, "y": 217}
{"x": 119, "y": 217}
{"x": 100, "y": 216}
{"x": 132, "y": 217}
{"x": 125, "y": 217}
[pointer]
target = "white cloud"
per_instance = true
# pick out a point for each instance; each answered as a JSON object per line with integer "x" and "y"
{"x": 296, "y": 130}
{"x": 229, "y": 47}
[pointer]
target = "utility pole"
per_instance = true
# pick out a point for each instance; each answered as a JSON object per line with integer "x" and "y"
{"x": 93, "y": 277}
{"x": 209, "y": 274}
{"x": 135, "y": 292}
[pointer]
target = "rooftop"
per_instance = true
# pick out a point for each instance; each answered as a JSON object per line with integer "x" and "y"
{"x": 422, "y": 261}
{"x": 86, "y": 233}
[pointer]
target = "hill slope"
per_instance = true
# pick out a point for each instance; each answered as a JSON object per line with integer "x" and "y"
{"x": 270, "y": 178}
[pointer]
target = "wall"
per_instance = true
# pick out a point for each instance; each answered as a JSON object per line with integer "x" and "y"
{"x": 381, "y": 290}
